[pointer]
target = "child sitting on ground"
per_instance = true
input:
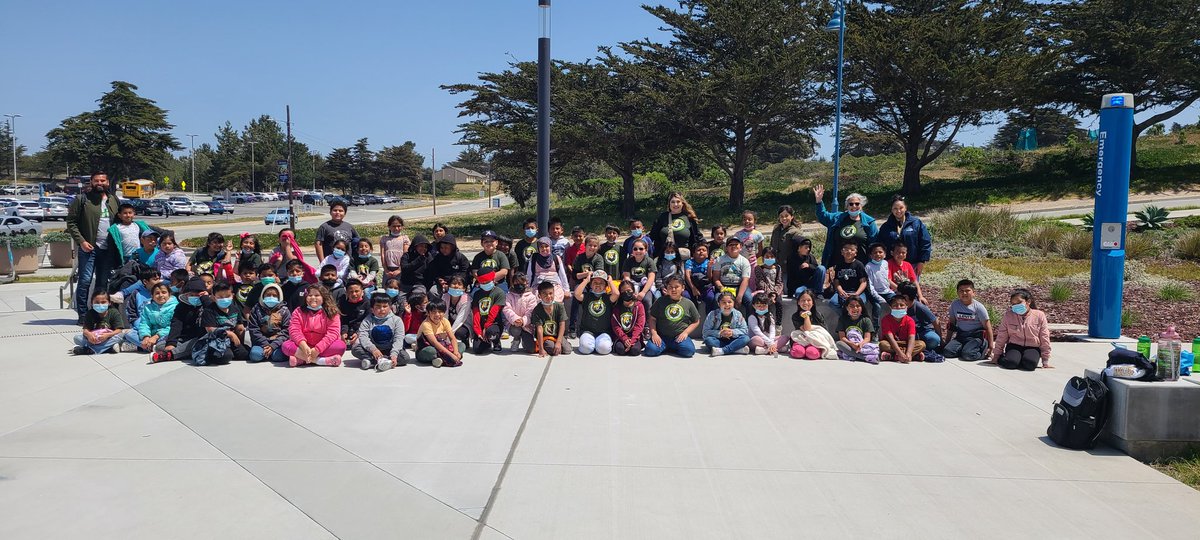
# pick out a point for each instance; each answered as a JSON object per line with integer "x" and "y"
{"x": 899, "y": 334}
{"x": 596, "y": 296}
{"x": 519, "y": 304}
{"x": 486, "y": 315}
{"x": 436, "y": 344}
{"x": 414, "y": 315}
{"x": 102, "y": 328}
{"x": 725, "y": 330}
{"x": 763, "y": 328}
{"x": 268, "y": 324}
{"x": 550, "y": 323}
{"x": 149, "y": 334}
{"x": 855, "y": 330}
{"x": 628, "y": 322}
{"x": 224, "y": 327}
{"x": 810, "y": 339}
{"x": 314, "y": 331}
{"x": 380, "y": 342}
{"x": 968, "y": 329}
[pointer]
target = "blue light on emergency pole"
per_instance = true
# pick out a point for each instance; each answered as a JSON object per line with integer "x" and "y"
{"x": 1114, "y": 145}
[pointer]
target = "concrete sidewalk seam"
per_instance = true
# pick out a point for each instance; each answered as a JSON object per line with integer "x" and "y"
{"x": 512, "y": 451}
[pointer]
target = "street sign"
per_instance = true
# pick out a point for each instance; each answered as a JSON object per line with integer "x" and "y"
{"x": 283, "y": 177}
{"x": 183, "y": 184}
{"x": 283, "y": 166}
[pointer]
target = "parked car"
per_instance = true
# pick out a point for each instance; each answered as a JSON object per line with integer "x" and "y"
{"x": 337, "y": 199}
{"x": 200, "y": 208}
{"x": 372, "y": 198}
{"x": 27, "y": 209}
{"x": 53, "y": 211}
{"x": 283, "y": 196}
{"x": 218, "y": 207}
{"x": 388, "y": 199}
{"x": 55, "y": 200}
{"x": 154, "y": 207}
{"x": 180, "y": 198}
{"x": 358, "y": 200}
{"x": 19, "y": 225}
{"x": 181, "y": 208}
{"x": 278, "y": 216}
{"x": 312, "y": 198}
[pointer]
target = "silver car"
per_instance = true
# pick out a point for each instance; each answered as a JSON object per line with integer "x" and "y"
{"x": 178, "y": 208}
{"x": 200, "y": 208}
{"x": 54, "y": 210}
{"x": 30, "y": 210}
{"x": 18, "y": 225}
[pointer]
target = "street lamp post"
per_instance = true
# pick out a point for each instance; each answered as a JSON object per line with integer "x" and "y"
{"x": 252, "y": 143}
{"x": 192, "y": 158}
{"x": 543, "y": 117}
{"x": 12, "y": 134}
{"x": 838, "y": 24}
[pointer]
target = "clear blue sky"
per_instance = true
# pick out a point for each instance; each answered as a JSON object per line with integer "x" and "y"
{"x": 348, "y": 69}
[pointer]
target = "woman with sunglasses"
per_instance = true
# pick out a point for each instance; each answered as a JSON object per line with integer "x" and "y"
{"x": 903, "y": 227}
{"x": 853, "y": 225}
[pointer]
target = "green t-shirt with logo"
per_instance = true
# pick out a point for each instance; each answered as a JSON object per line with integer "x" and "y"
{"x": 583, "y": 263}
{"x": 596, "y": 313}
{"x": 638, "y": 271}
{"x": 610, "y": 253}
{"x": 672, "y": 317}
{"x": 549, "y": 322}
{"x": 678, "y": 230}
{"x": 482, "y": 301}
{"x": 495, "y": 262}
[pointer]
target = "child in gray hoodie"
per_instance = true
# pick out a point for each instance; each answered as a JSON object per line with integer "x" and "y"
{"x": 380, "y": 341}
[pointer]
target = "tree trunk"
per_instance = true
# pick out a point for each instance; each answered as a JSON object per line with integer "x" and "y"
{"x": 628, "y": 201}
{"x": 912, "y": 171}
{"x": 737, "y": 186}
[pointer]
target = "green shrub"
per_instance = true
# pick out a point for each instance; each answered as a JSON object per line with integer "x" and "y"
{"x": 975, "y": 224}
{"x": 1089, "y": 221}
{"x": 1191, "y": 222}
{"x": 1174, "y": 293}
{"x": 1075, "y": 245}
{"x": 949, "y": 293}
{"x": 1060, "y": 292}
{"x": 1140, "y": 246}
{"x": 1044, "y": 236}
{"x": 1152, "y": 217}
{"x": 25, "y": 241}
{"x": 1129, "y": 318}
{"x": 1188, "y": 246}
{"x": 56, "y": 236}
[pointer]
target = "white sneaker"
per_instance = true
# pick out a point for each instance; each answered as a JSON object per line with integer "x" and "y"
{"x": 716, "y": 351}
{"x": 384, "y": 364}
{"x": 760, "y": 350}
{"x": 126, "y": 346}
{"x": 365, "y": 364}
{"x": 437, "y": 361}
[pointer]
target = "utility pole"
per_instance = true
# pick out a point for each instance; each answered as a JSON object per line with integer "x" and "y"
{"x": 252, "y": 143}
{"x": 543, "y": 118}
{"x": 291, "y": 192}
{"x": 432, "y": 180}
{"x": 192, "y": 158}
{"x": 12, "y": 134}
{"x": 314, "y": 170}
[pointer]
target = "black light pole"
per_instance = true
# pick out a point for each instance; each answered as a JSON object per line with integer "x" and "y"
{"x": 289, "y": 184}
{"x": 543, "y": 131}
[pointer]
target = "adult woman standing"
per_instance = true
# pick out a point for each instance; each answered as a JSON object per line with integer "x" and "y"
{"x": 678, "y": 225}
{"x": 853, "y": 225}
{"x": 903, "y": 227}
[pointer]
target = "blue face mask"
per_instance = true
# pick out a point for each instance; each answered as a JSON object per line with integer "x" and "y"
{"x": 338, "y": 253}
{"x": 295, "y": 279}
{"x": 760, "y": 311}
{"x": 530, "y": 233}
{"x": 456, "y": 292}
{"x": 546, "y": 303}
{"x": 769, "y": 261}
{"x": 854, "y": 213}
{"x": 487, "y": 287}
{"x": 899, "y": 313}
{"x": 224, "y": 303}
{"x": 313, "y": 308}
{"x": 268, "y": 280}
{"x": 100, "y": 308}
{"x": 174, "y": 289}
{"x": 270, "y": 301}
{"x": 635, "y": 233}
{"x": 194, "y": 301}
{"x": 669, "y": 256}
{"x": 392, "y": 293}
{"x": 1020, "y": 309}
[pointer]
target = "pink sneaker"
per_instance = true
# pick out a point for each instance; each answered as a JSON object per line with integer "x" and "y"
{"x": 812, "y": 353}
{"x": 293, "y": 361}
{"x": 331, "y": 361}
{"x": 797, "y": 351}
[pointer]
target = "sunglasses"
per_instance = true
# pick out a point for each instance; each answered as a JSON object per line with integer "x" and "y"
{"x": 639, "y": 249}
{"x": 854, "y": 204}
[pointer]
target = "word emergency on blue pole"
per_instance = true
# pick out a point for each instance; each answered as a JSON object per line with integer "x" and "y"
{"x": 1114, "y": 144}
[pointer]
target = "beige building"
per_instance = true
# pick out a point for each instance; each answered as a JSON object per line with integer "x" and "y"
{"x": 459, "y": 175}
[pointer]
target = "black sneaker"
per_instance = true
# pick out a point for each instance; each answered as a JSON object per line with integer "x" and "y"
{"x": 496, "y": 347}
{"x": 80, "y": 350}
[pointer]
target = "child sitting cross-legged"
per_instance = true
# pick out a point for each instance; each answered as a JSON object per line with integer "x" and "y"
{"x": 725, "y": 330}
{"x": 764, "y": 327}
{"x": 268, "y": 324}
{"x": 628, "y": 322}
{"x": 149, "y": 334}
{"x": 314, "y": 333}
{"x": 436, "y": 344}
{"x": 380, "y": 342}
{"x": 103, "y": 328}
{"x": 810, "y": 339}
{"x": 899, "y": 334}
{"x": 855, "y": 330}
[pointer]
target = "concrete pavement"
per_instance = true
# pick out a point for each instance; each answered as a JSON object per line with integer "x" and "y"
{"x": 514, "y": 446}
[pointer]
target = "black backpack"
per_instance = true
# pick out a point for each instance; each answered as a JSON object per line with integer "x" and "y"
{"x": 1079, "y": 417}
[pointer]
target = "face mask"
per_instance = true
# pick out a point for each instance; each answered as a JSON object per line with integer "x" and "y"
{"x": 854, "y": 213}
{"x": 269, "y": 280}
{"x": 194, "y": 301}
{"x": 295, "y": 279}
{"x": 545, "y": 303}
{"x": 338, "y": 253}
{"x": 379, "y": 319}
{"x": 669, "y": 256}
{"x": 1020, "y": 309}
{"x": 224, "y": 303}
{"x": 530, "y": 233}
{"x": 100, "y": 308}
{"x": 174, "y": 289}
{"x": 487, "y": 286}
{"x": 313, "y": 308}
{"x": 899, "y": 313}
{"x": 456, "y": 292}
{"x": 270, "y": 301}
{"x": 598, "y": 292}
{"x": 392, "y": 293}
{"x": 635, "y": 233}
{"x": 760, "y": 311}
{"x": 875, "y": 262}
{"x": 726, "y": 311}
{"x": 247, "y": 252}
{"x": 329, "y": 283}
{"x": 769, "y": 262}
{"x": 519, "y": 289}
{"x": 627, "y": 296}
{"x": 395, "y": 234}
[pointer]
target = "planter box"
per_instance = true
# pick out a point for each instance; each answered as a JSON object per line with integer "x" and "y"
{"x": 25, "y": 259}
{"x": 62, "y": 254}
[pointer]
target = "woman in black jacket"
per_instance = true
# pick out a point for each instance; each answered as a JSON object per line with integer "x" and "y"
{"x": 678, "y": 225}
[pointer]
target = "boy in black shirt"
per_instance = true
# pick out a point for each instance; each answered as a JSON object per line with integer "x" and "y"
{"x": 353, "y": 307}
{"x": 186, "y": 323}
{"x": 222, "y": 319}
{"x": 848, "y": 277}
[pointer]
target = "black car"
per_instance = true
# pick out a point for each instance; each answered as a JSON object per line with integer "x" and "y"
{"x": 147, "y": 207}
{"x": 310, "y": 198}
{"x": 338, "y": 199}
{"x": 372, "y": 198}
{"x": 217, "y": 207}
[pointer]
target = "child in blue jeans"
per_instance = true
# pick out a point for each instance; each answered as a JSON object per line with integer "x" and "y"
{"x": 103, "y": 328}
{"x": 725, "y": 329}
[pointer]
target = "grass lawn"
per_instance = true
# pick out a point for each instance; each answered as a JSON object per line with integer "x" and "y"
{"x": 1185, "y": 468}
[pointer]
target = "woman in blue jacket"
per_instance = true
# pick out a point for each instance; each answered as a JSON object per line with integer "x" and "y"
{"x": 853, "y": 225}
{"x": 901, "y": 226}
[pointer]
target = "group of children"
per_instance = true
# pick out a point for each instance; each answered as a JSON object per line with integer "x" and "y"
{"x": 422, "y": 298}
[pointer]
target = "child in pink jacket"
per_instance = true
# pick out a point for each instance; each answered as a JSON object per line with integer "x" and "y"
{"x": 519, "y": 304}
{"x": 315, "y": 331}
{"x": 1023, "y": 335}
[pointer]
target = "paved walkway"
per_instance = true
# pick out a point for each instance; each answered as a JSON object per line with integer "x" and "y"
{"x": 577, "y": 447}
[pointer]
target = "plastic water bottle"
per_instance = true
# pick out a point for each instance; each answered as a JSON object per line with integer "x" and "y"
{"x": 1196, "y": 346}
{"x": 1143, "y": 346}
{"x": 1169, "y": 347}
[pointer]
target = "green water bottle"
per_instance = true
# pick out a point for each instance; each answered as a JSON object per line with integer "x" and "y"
{"x": 1143, "y": 345}
{"x": 1196, "y": 346}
